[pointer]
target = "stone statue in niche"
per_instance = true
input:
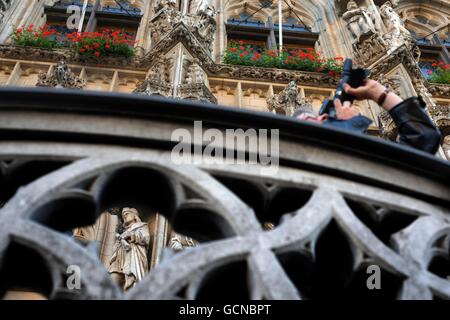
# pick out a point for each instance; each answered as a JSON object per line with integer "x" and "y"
{"x": 359, "y": 20}
{"x": 194, "y": 74}
{"x": 129, "y": 262}
{"x": 394, "y": 24}
{"x": 206, "y": 23}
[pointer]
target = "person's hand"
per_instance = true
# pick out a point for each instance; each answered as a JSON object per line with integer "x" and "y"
{"x": 313, "y": 118}
{"x": 371, "y": 89}
{"x": 132, "y": 238}
{"x": 345, "y": 111}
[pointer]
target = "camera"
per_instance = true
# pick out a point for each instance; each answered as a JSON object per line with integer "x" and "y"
{"x": 354, "y": 77}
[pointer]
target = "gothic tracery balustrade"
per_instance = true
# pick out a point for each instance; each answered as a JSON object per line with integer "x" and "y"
{"x": 338, "y": 204}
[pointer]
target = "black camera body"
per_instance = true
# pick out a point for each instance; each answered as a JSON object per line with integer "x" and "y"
{"x": 354, "y": 77}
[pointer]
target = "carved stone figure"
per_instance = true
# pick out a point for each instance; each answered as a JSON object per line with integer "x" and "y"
{"x": 61, "y": 77}
{"x": 161, "y": 4}
{"x": 179, "y": 242}
{"x": 397, "y": 32}
{"x": 163, "y": 23}
{"x": 370, "y": 48}
{"x": 206, "y": 25}
{"x": 288, "y": 101}
{"x": 129, "y": 262}
{"x": 359, "y": 20}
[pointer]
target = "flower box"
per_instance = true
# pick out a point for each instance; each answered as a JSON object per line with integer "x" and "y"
{"x": 238, "y": 53}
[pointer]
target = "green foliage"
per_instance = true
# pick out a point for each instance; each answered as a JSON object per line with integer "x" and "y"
{"x": 441, "y": 73}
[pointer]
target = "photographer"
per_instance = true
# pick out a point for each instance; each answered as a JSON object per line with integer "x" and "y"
{"x": 415, "y": 127}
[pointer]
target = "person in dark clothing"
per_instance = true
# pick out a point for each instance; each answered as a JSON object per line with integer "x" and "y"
{"x": 415, "y": 128}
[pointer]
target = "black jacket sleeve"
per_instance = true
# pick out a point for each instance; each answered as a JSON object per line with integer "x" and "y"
{"x": 415, "y": 127}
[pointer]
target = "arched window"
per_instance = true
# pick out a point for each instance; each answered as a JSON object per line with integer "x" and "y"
{"x": 246, "y": 18}
{"x": 430, "y": 29}
{"x": 107, "y": 14}
{"x": 255, "y": 26}
{"x": 293, "y": 23}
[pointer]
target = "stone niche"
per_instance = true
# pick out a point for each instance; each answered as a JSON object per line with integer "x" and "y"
{"x": 130, "y": 242}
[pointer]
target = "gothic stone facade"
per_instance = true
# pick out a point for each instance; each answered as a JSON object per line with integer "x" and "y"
{"x": 180, "y": 48}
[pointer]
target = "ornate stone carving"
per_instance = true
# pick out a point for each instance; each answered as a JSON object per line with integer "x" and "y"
{"x": 400, "y": 56}
{"x": 61, "y": 77}
{"x": 129, "y": 262}
{"x": 194, "y": 87}
{"x": 161, "y": 24}
{"x": 440, "y": 115}
{"x": 181, "y": 34}
{"x": 158, "y": 82}
{"x": 397, "y": 34}
{"x": 179, "y": 242}
{"x": 388, "y": 129}
{"x": 4, "y": 6}
{"x": 288, "y": 101}
{"x": 161, "y": 4}
{"x": 202, "y": 24}
{"x": 359, "y": 21}
{"x": 394, "y": 83}
{"x": 40, "y": 54}
{"x": 370, "y": 48}
{"x": 205, "y": 25}
{"x": 439, "y": 90}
